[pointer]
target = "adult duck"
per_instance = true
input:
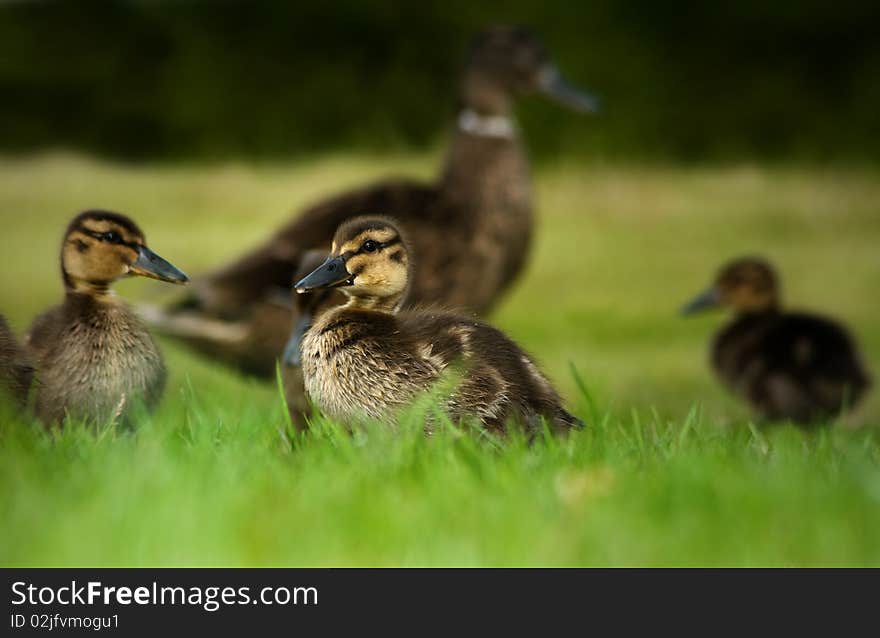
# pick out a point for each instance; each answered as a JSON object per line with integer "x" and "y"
{"x": 476, "y": 217}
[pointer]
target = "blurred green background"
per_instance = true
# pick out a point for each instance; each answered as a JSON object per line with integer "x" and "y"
{"x": 683, "y": 80}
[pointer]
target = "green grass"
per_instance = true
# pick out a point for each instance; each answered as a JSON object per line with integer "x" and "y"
{"x": 670, "y": 472}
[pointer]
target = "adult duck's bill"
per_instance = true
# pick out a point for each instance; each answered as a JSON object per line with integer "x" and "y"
{"x": 705, "y": 300}
{"x": 330, "y": 274}
{"x": 553, "y": 85}
{"x": 149, "y": 264}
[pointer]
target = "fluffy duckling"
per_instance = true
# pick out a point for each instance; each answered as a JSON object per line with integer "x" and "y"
{"x": 16, "y": 370}
{"x": 369, "y": 358}
{"x": 786, "y": 365}
{"x": 476, "y": 216}
{"x": 95, "y": 360}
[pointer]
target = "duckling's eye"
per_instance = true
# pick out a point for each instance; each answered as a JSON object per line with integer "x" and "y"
{"x": 370, "y": 246}
{"x": 112, "y": 237}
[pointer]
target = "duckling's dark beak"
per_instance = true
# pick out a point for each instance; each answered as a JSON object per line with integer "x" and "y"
{"x": 330, "y": 274}
{"x": 149, "y": 264}
{"x": 292, "y": 355}
{"x": 707, "y": 299}
{"x": 553, "y": 85}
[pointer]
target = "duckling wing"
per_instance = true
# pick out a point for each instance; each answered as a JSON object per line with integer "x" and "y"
{"x": 500, "y": 381}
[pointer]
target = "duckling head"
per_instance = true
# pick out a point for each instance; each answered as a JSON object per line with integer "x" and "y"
{"x": 507, "y": 61}
{"x": 101, "y": 246}
{"x": 747, "y": 285}
{"x": 369, "y": 263}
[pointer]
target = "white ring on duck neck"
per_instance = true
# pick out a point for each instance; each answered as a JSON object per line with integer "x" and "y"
{"x": 499, "y": 126}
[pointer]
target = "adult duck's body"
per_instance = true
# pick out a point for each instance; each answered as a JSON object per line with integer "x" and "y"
{"x": 476, "y": 218}
{"x": 370, "y": 359}
{"x": 16, "y": 370}
{"x": 95, "y": 360}
{"x": 786, "y": 365}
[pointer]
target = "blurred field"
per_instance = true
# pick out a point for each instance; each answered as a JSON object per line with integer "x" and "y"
{"x": 669, "y": 473}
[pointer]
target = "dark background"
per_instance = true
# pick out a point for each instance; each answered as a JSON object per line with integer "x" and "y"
{"x": 688, "y": 81}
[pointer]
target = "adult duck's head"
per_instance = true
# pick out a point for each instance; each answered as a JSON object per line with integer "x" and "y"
{"x": 101, "y": 247}
{"x": 508, "y": 61}
{"x": 369, "y": 263}
{"x": 746, "y": 285}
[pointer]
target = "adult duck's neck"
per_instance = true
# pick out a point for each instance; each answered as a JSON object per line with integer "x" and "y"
{"x": 486, "y": 163}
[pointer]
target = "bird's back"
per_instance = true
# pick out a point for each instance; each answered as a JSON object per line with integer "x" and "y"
{"x": 499, "y": 380}
{"x": 374, "y": 363}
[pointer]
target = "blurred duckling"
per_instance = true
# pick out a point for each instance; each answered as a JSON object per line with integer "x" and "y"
{"x": 16, "y": 370}
{"x": 309, "y": 306}
{"x": 475, "y": 217}
{"x": 786, "y": 365}
{"x": 369, "y": 358}
{"x": 95, "y": 360}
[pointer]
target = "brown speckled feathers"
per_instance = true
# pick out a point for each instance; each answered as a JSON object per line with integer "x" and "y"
{"x": 374, "y": 363}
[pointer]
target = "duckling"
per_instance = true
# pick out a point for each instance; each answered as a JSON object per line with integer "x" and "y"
{"x": 16, "y": 370}
{"x": 95, "y": 360}
{"x": 786, "y": 365}
{"x": 476, "y": 217}
{"x": 369, "y": 358}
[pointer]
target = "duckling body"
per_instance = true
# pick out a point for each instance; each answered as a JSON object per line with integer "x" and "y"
{"x": 477, "y": 216}
{"x": 359, "y": 362}
{"x": 369, "y": 358}
{"x": 786, "y": 365}
{"x": 790, "y": 365}
{"x": 16, "y": 370}
{"x": 95, "y": 359}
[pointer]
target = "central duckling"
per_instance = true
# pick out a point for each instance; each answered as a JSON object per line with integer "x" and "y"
{"x": 370, "y": 359}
